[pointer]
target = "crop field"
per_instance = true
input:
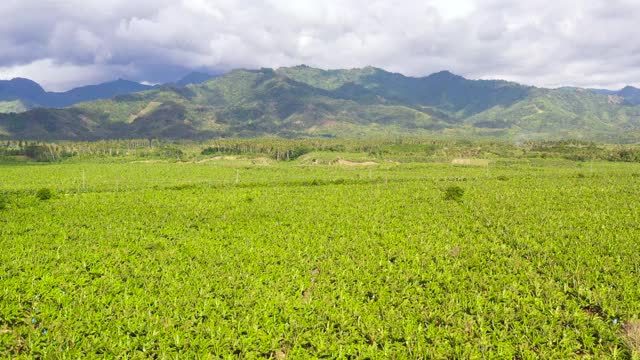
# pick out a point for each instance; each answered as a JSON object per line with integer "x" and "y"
{"x": 244, "y": 257}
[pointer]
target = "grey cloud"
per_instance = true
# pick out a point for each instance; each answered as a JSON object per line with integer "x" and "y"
{"x": 63, "y": 43}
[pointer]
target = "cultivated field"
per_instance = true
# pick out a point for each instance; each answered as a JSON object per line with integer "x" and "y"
{"x": 323, "y": 256}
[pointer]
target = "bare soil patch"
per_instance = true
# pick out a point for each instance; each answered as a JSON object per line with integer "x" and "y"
{"x": 353, "y": 163}
{"x": 218, "y": 158}
{"x": 148, "y": 161}
{"x": 470, "y": 162}
{"x": 631, "y": 332}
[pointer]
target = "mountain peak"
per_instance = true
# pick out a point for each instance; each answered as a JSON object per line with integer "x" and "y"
{"x": 630, "y": 94}
{"x": 629, "y": 89}
{"x": 444, "y": 74}
{"x": 21, "y": 79}
{"x": 20, "y": 88}
{"x": 120, "y": 81}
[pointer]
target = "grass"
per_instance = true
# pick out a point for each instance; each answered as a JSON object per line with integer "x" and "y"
{"x": 289, "y": 259}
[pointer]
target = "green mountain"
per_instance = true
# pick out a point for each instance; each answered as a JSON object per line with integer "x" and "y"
{"x": 442, "y": 91}
{"x": 302, "y": 101}
{"x": 564, "y": 113}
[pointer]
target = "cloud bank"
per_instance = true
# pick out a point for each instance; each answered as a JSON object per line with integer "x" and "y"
{"x": 64, "y": 43}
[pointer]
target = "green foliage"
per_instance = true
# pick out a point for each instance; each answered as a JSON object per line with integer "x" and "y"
{"x": 625, "y": 154}
{"x": 301, "y": 260}
{"x": 15, "y": 106}
{"x": 403, "y": 149}
{"x": 3, "y": 201}
{"x": 209, "y": 151}
{"x": 171, "y": 152}
{"x": 298, "y": 151}
{"x": 36, "y": 152}
{"x": 44, "y": 194}
{"x": 454, "y": 193}
{"x": 182, "y": 187}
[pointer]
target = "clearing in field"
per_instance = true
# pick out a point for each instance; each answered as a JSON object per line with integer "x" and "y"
{"x": 353, "y": 163}
{"x": 471, "y": 162}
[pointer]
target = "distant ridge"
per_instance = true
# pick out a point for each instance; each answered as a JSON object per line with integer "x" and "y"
{"x": 19, "y": 94}
{"x": 32, "y": 95}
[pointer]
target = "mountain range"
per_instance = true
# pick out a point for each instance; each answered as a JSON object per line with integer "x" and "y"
{"x": 302, "y": 101}
{"x": 19, "y": 95}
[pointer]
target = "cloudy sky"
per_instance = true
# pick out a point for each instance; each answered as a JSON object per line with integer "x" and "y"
{"x": 65, "y": 43}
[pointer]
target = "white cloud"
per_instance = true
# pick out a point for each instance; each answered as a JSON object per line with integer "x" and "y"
{"x": 452, "y": 9}
{"x": 63, "y": 43}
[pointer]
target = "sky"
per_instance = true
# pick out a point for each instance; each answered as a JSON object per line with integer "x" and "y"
{"x": 549, "y": 43}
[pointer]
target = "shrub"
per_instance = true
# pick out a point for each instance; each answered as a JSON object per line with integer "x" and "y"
{"x": 576, "y": 157}
{"x": 298, "y": 151}
{"x": 453, "y": 193}
{"x": 44, "y": 194}
{"x": 209, "y": 151}
{"x": 171, "y": 152}
{"x": 37, "y": 152}
{"x": 180, "y": 187}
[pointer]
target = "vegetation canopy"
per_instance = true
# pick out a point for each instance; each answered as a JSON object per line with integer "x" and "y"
{"x": 252, "y": 248}
{"x": 453, "y": 192}
{"x": 44, "y": 194}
